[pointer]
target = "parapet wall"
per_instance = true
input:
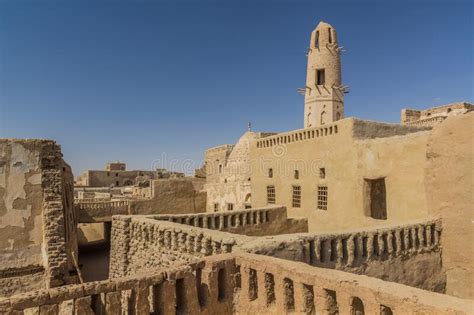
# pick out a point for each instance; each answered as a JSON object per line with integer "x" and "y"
{"x": 142, "y": 243}
{"x": 408, "y": 254}
{"x": 237, "y": 284}
{"x": 252, "y": 222}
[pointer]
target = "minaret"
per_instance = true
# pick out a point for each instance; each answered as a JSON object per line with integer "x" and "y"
{"x": 324, "y": 93}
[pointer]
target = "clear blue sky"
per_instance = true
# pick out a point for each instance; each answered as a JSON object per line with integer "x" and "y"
{"x": 131, "y": 80}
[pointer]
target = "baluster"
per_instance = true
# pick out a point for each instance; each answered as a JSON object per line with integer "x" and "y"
{"x": 351, "y": 248}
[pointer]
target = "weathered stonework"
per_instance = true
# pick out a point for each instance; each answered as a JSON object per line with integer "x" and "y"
{"x": 37, "y": 222}
{"x": 237, "y": 284}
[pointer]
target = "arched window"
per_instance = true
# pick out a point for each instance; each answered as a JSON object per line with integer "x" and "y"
{"x": 323, "y": 118}
{"x": 308, "y": 120}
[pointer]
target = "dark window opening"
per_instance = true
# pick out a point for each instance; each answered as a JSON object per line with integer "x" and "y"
{"x": 297, "y": 174}
{"x": 216, "y": 207}
{"x": 330, "y": 35}
{"x": 376, "y": 198}
{"x": 316, "y": 40}
{"x": 221, "y": 283}
{"x": 322, "y": 173}
{"x": 116, "y": 174}
{"x": 270, "y": 172}
{"x": 117, "y": 183}
{"x": 230, "y": 206}
{"x": 180, "y": 296}
{"x": 320, "y": 76}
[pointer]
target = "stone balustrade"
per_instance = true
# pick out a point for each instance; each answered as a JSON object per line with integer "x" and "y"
{"x": 100, "y": 211}
{"x": 271, "y": 286}
{"x": 385, "y": 253}
{"x": 86, "y": 200}
{"x": 426, "y": 122}
{"x": 140, "y": 243}
{"x": 374, "y": 244}
{"x": 205, "y": 287}
{"x": 297, "y": 135}
{"x": 225, "y": 220}
{"x": 237, "y": 283}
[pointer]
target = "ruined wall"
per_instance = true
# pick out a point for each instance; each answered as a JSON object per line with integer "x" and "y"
{"x": 350, "y": 151}
{"x": 110, "y": 178}
{"x": 434, "y": 115}
{"x": 180, "y": 195}
{"x": 449, "y": 188}
{"x": 37, "y": 222}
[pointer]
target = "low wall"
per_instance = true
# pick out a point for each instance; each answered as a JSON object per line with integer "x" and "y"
{"x": 272, "y": 286}
{"x": 408, "y": 254}
{"x": 237, "y": 284}
{"x": 100, "y": 211}
{"x": 252, "y": 222}
{"x": 141, "y": 243}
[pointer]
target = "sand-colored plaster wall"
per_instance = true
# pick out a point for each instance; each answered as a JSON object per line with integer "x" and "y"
{"x": 449, "y": 188}
{"x": 355, "y": 150}
{"x": 20, "y": 205}
{"x": 37, "y": 221}
{"x": 180, "y": 195}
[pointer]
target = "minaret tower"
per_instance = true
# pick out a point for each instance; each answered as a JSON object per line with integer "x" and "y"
{"x": 324, "y": 93}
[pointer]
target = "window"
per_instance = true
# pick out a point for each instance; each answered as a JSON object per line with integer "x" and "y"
{"x": 116, "y": 174}
{"x": 230, "y": 206}
{"x": 320, "y": 76}
{"x": 323, "y": 117}
{"x": 220, "y": 168}
{"x": 322, "y": 173}
{"x": 271, "y": 194}
{"x": 108, "y": 173}
{"x": 330, "y": 35}
{"x": 375, "y": 198}
{"x": 216, "y": 207}
{"x": 296, "y": 197}
{"x": 117, "y": 183}
{"x": 270, "y": 172}
{"x": 297, "y": 174}
{"x": 316, "y": 40}
{"x": 322, "y": 197}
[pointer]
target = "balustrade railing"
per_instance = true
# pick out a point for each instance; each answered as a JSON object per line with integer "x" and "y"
{"x": 237, "y": 284}
{"x": 224, "y": 220}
